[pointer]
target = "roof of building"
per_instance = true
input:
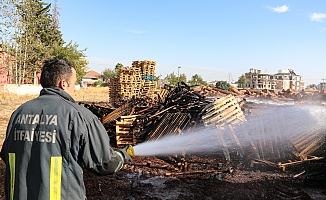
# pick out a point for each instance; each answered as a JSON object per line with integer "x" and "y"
{"x": 92, "y": 74}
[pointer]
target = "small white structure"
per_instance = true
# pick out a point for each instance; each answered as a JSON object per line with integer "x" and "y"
{"x": 24, "y": 89}
{"x": 91, "y": 77}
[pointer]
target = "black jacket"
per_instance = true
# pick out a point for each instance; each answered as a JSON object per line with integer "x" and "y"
{"x": 49, "y": 140}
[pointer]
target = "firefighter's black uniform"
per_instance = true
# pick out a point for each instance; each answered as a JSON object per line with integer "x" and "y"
{"x": 49, "y": 140}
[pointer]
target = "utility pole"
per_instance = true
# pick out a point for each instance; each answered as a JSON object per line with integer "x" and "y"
{"x": 179, "y": 74}
{"x": 230, "y": 77}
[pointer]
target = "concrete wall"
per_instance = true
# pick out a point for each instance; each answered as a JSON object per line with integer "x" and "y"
{"x": 24, "y": 89}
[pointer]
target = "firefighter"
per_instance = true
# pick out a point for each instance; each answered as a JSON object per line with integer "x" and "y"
{"x": 51, "y": 139}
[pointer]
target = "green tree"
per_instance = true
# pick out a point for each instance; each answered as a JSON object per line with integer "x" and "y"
{"x": 9, "y": 21}
{"x": 196, "y": 80}
{"x": 172, "y": 79}
{"x": 222, "y": 85}
{"x": 118, "y": 66}
{"x": 75, "y": 56}
{"x": 33, "y": 35}
{"x": 156, "y": 78}
{"x": 242, "y": 81}
{"x": 38, "y": 37}
{"x": 10, "y": 30}
{"x": 97, "y": 83}
{"x": 107, "y": 74}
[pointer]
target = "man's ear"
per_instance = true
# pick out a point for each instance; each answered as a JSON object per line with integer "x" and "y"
{"x": 63, "y": 84}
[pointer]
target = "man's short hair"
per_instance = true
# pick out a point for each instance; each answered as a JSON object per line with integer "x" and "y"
{"x": 54, "y": 70}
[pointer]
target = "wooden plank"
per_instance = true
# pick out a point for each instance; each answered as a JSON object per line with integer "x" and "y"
{"x": 216, "y": 104}
{"x": 122, "y": 132}
{"x": 128, "y": 116}
{"x": 225, "y": 114}
{"x": 125, "y": 139}
{"x": 311, "y": 148}
{"x": 239, "y": 116}
{"x": 124, "y": 129}
{"x": 216, "y": 111}
{"x": 232, "y": 133}
{"x": 123, "y": 123}
{"x": 220, "y": 107}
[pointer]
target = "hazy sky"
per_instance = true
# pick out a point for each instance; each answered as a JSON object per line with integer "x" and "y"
{"x": 217, "y": 39}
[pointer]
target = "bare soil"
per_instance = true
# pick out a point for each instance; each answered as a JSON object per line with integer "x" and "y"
{"x": 150, "y": 178}
{"x": 243, "y": 183}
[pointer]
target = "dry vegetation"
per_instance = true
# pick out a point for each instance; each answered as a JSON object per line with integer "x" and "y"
{"x": 8, "y": 103}
{"x": 93, "y": 94}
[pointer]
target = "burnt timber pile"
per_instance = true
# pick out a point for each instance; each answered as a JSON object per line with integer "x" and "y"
{"x": 174, "y": 110}
{"x": 181, "y": 110}
{"x": 138, "y": 112}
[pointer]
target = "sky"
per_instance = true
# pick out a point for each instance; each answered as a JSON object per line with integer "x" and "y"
{"x": 216, "y": 39}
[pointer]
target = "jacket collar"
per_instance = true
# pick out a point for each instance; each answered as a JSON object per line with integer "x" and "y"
{"x": 56, "y": 91}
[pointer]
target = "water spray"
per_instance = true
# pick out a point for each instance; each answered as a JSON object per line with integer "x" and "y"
{"x": 278, "y": 124}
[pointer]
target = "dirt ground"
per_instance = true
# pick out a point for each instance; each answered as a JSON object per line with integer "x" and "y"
{"x": 151, "y": 178}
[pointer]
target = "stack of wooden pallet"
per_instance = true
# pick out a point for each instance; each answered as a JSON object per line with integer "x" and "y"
{"x": 114, "y": 95}
{"x": 126, "y": 78}
{"x": 123, "y": 134}
{"x": 147, "y": 72}
{"x": 148, "y": 88}
{"x": 148, "y": 67}
{"x": 137, "y": 81}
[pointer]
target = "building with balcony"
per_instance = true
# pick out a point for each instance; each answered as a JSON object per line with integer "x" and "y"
{"x": 283, "y": 80}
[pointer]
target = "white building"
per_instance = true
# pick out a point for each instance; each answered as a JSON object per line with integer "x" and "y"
{"x": 91, "y": 77}
{"x": 283, "y": 80}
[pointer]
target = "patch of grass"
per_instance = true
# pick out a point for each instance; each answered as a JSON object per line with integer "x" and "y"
{"x": 92, "y": 94}
{"x": 6, "y": 97}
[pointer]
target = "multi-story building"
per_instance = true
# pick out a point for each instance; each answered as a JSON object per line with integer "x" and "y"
{"x": 288, "y": 79}
{"x": 284, "y": 79}
{"x": 256, "y": 79}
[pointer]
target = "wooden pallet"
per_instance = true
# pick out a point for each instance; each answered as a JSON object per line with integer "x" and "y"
{"x": 129, "y": 81}
{"x": 223, "y": 110}
{"x": 163, "y": 93}
{"x": 123, "y": 134}
{"x": 304, "y": 146}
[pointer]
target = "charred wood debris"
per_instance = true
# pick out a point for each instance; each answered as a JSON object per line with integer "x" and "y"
{"x": 177, "y": 110}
